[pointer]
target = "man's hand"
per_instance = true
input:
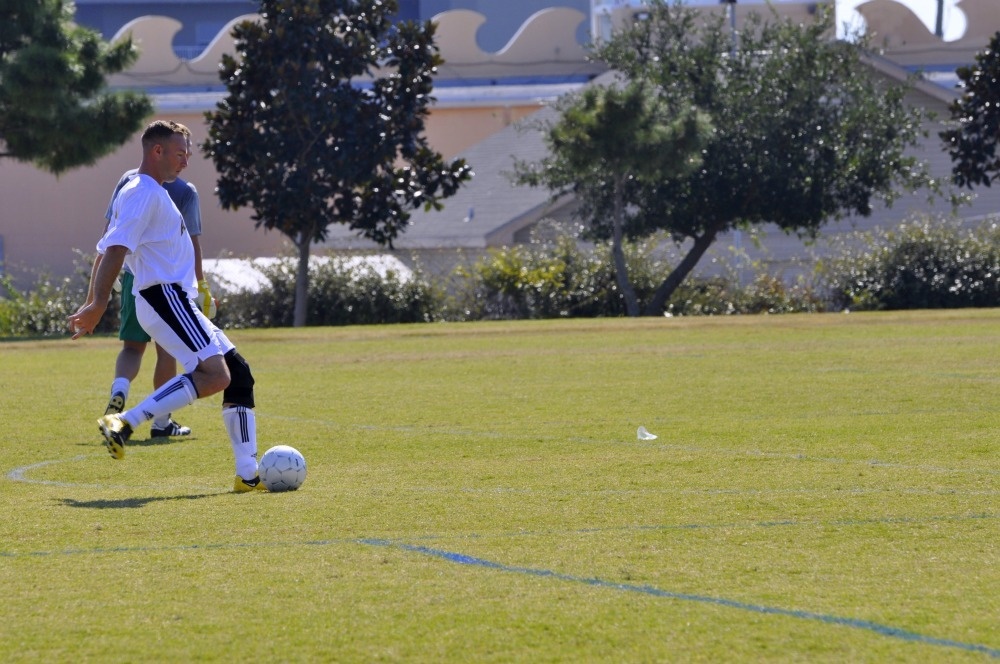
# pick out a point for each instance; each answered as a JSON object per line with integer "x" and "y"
{"x": 205, "y": 299}
{"x": 86, "y": 319}
{"x": 106, "y": 269}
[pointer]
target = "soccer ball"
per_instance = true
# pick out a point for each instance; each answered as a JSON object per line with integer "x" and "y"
{"x": 282, "y": 468}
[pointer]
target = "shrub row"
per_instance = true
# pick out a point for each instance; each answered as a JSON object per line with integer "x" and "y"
{"x": 920, "y": 265}
{"x": 43, "y": 310}
{"x": 339, "y": 294}
{"x": 924, "y": 264}
{"x": 562, "y": 279}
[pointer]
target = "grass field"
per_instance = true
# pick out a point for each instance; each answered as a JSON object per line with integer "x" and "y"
{"x": 823, "y": 488}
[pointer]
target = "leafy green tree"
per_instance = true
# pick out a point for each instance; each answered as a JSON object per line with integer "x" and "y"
{"x": 55, "y": 109}
{"x": 608, "y": 137}
{"x": 802, "y": 131}
{"x": 972, "y": 143}
{"x": 323, "y": 123}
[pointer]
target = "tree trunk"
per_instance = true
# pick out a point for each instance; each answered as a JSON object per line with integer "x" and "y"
{"x": 302, "y": 282}
{"x": 677, "y": 276}
{"x": 621, "y": 268}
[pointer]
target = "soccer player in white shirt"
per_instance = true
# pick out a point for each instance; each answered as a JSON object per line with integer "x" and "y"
{"x": 147, "y": 233}
{"x": 134, "y": 339}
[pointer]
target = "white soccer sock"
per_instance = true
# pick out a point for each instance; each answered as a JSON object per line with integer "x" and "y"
{"x": 161, "y": 421}
{"x": 241, "y": 425}
{"x": 173, "y": 395}
{"x": 120, "y": 385}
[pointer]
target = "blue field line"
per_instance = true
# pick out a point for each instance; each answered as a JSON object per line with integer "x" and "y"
{"x": 854, "y": 623}
{"x": 463, "y": 559}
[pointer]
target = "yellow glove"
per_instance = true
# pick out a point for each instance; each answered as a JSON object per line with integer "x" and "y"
{"x": 205, "y": 299}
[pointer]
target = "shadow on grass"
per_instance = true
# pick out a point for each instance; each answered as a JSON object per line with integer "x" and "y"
{"x": 129, "y": 503}
{"x": 148, "y": 442}
{"x": 163, "y": 440}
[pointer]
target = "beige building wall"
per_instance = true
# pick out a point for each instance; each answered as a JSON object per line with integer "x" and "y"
{"x": 46, "y": 221}
{"x": 454, "y": 130}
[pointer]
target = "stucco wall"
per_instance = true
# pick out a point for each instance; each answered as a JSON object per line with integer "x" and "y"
{"x": 45, "y": 220}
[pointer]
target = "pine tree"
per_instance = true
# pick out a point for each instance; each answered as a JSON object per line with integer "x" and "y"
{"x": 55, "y": 109}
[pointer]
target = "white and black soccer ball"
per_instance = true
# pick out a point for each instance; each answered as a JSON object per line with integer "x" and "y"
{"x": 282, "y": 468}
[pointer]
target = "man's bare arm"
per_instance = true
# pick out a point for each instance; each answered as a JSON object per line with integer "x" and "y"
{"x": 105, "y": 272}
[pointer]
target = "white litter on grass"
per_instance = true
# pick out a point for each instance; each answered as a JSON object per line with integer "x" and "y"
{"x": 645, "y": 435}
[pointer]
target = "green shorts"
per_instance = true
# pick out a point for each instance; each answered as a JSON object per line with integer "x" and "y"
{"x": 130, "y": 329}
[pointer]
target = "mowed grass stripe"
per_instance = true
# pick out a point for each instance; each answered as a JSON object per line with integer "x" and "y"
{"x": 840, "y": 466}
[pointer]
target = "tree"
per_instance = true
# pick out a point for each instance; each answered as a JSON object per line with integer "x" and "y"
{"x": 55, "y": 109}
{"x": 607, "y": 137}
{"x": 803, "y": 131}
{"x": 323, "y": 123}
{"x": 972, "y": 143}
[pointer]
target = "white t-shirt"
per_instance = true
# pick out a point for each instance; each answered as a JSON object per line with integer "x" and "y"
{"x": 146, "y": 222}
